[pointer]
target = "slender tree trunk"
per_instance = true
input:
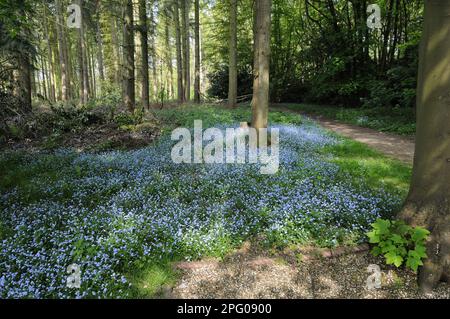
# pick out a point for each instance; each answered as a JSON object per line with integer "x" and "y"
{"x": 115, "y": 49}
{"x": 143, "y": 31}
{"x": 86, "y": 87}
{"x": 232, "y": 82}
{"x": 260, "y": 103}
{"x": 169, "y": 55}
{"x": 99, "y": 40}
{"x": 44, "y": 78}
{"x": 63, "y": 56}
{"x": 128, "y": 94}
{"x": 180, "y": 89}
{"x": 153, "y": 52}
{"x": 428, "y": 202}
{"x": 197, "y": 92}
{"x": 51, "y": 82}
{"x": 185, "y": 6}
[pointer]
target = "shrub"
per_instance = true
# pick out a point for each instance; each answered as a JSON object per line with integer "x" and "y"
{"x": 219, "y": 82}
{"x": 399, "y": 243}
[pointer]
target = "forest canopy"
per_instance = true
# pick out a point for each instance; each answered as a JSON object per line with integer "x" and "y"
{"x": 321, "y": 51}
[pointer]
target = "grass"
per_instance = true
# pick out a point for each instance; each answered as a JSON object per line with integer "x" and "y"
{"x": 394, "y": 120}
{"x": 359, "y": 160}
{"x": 151, "y": 280}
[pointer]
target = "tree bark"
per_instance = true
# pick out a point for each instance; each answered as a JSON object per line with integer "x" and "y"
{"x": 116, "y": 50}
{"x": 63, "y": 58}
{"x": 23, "y": 79}
{"x": 232, "y": 81}
{"x": 153, "y": 52}
{"x": 180, "y": 89}
{"x": 51, "y": 82}
{"x": 185, "y": 6}
{"x": 143, "y": 30}
{"x": 197, "y": 53}
{"x": 99, "y": 40}
{"x": 128, "y": 94}
{"x": 169, "y": 53}
{"x": 428, "y": 202}
{"x": 260, "y": 103}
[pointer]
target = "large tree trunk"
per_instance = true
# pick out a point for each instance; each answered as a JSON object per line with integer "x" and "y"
{"x": 197, "y": 53}
{"x": 428, "y": 202}
{"x": 143, "y": 30}
{"x": 232, "y": 82}
{"x": 63, "y": 56}
{"x": 23, "y": 79}
{"x": 260, "y": 102}
{"x": 180, "y": 89}
{"x": 128, "y": 95}
{"x": 185, "y": 6}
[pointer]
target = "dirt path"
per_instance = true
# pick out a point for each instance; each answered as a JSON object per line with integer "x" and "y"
{"x": 254, "y": 274}
{"x": 395, "y": 146}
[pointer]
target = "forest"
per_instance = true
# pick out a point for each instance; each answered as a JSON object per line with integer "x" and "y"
{"x": 349, "y": 98}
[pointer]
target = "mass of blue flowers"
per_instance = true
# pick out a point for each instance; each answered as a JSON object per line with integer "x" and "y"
{"x": 117, "y": 210}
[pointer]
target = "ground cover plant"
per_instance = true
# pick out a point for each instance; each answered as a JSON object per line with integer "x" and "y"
{"x": 125, "y": 215}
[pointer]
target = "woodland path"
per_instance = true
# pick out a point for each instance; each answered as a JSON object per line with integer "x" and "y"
{"x": 392, "y": 145}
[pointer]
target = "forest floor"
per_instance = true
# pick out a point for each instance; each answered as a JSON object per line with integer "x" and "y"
{"x": 254, "y": 273}
{"x": 392, "y": 145}
{"x": 331, "y": 190}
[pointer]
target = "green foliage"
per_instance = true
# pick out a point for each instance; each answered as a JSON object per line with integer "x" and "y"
{"x": 219, "y": 82}
{"x": 399, "y": 243}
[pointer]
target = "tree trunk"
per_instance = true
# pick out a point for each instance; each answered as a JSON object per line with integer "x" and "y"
{"x": 197, "y": 53}
{"x": 428, "y": 202}
{"x": 185, "y": 5}
{"x": 153, "y": 52}
{"x": 51, "y": 82}
{"x": 115, "y": 50}
{"x": 232, "y": 82}
{"x": 169, "y": 54}
{"x": 180, "y": 89}
{"x": 99, "y": 40}
{"x": 143, "y": 30}
{"x": 23, "y": 79}
{"x": 260, "y": 103}
{"x": 128, "y": 94}
{"x": 63, "y": 58}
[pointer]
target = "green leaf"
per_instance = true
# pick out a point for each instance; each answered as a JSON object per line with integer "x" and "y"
{"x": 397, "y": 239}
{"x": 419, "y": 251}
{"x": 393, "y": 258}
{"x": 413, "y": 263}
{"x": 382, "y": 226}
{"x": 373, "y": 237}
{"x": 419, "y": 234}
